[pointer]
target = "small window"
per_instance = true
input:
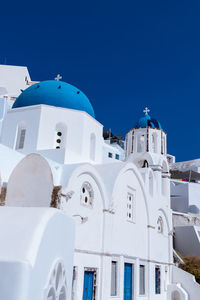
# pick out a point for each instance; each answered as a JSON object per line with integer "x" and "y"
{"x": 60, "y": 136}
{"x": 20, "y": 138}
{"x": 157, "y": 280}
{"x": 114, "y": 278}
{"x": 110, "y": 155}
{"x": 117, "y": 156}
{"x": 160, "y": 225}
{"x": 74, "y": 282}
{"x": 142, "y": 280}
{"x": 87, "y": 194}
{"x": 130, "y": 207}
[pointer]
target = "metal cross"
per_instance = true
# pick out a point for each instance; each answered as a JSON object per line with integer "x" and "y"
{"x": 58, "y": 77}
{"x": 146, "y": 111}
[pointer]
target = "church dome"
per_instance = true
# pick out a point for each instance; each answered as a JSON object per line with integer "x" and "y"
{"x": 55, "y": 93}
{"x": 147, "y": 121}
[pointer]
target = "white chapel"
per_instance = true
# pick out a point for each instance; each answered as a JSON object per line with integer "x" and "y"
{"x": 85, "y": 215}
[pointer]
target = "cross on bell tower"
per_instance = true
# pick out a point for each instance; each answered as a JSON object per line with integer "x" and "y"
{"x": 58, "y": 77}
{"x": 146, "y": 111}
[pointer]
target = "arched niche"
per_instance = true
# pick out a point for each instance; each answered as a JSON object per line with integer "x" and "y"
{"x": 141, "y": 142}
{"x": 92, "y": 146}
{"x": 176, "y": 295}
{"x": 154, "y": 142}
{"x": 31, "y": 183}
{"x": 60, "y": 135}
{"x": 162, "y": 224}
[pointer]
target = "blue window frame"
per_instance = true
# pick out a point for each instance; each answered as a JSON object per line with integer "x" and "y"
{"x": 117, "y": 156}
{"x": 110, "y": 155}
{"x": 88, "y": 285}
{"x": 128, "y": 281}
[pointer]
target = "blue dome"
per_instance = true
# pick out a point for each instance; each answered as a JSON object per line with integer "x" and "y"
{"x": 147, "y": 121}
{"x": 55, "y": 93}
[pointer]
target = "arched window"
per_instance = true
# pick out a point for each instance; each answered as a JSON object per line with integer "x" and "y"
{"x": 87, "y": 194}
{"x": 21, "y": 133}
{"x": 176, "y": 295}
{"x": 154, "y": 143}
{"x": 163, "y": 145}
{"x": 60, "y": 136}
{"x": 145, "y": 164}
{"x": 56, "y": 287}
{"x": 92, "y": 146}
{"x": 140, "y": 143}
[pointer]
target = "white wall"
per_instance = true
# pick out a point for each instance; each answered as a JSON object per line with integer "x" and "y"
{"x": 79, "y": 126}
{"x": 187, "y": 281}
{"x": 30, "y": 116}
{"x": 13, "y": 79}
{"x": 30, "y": 247}
{"x": 107, "y": 235}
{"x": 187, "y": 240}
{"x": 114, "y": 150}
{"x": 41, "y": 121}
{"x": 185, "y": 196}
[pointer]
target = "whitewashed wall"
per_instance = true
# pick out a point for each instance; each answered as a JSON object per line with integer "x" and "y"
{"x": 31, "y": 183}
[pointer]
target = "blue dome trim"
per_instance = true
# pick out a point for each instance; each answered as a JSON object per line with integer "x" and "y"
{"x": 55, "y": 93}
{"x": 147, "y": 121}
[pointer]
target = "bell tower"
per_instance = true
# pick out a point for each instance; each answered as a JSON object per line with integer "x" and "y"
{"x": 146, "y": 137}
{"x": 146, "y": 147}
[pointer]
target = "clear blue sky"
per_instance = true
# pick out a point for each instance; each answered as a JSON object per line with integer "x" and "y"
{"x": 124, "y": 55}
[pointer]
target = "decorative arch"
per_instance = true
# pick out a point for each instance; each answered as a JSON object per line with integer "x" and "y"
{"x": 60, "y": 135}
{"x": 92, "y": 172}
{"x": 132, "y": 168}
{"x": 176, "y": 292}
{"x": 139, "y": 160}
{"x": 166, "y": 226}
{"x": 56, "y": 287}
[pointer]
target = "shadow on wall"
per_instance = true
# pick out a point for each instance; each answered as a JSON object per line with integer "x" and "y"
{"x": 194, "y": 209}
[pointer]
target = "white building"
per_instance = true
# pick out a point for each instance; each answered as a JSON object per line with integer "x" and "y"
{"x": 53, "y": 154}
{"x": 185, "y": 203}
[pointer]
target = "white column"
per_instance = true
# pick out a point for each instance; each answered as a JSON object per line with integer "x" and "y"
{"x": 136, "y": 279}
{"x": 121, "y": 277}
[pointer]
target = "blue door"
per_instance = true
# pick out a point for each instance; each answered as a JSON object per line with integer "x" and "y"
{"x": 128, "y": 281}
{"x": 88, "y": 285}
